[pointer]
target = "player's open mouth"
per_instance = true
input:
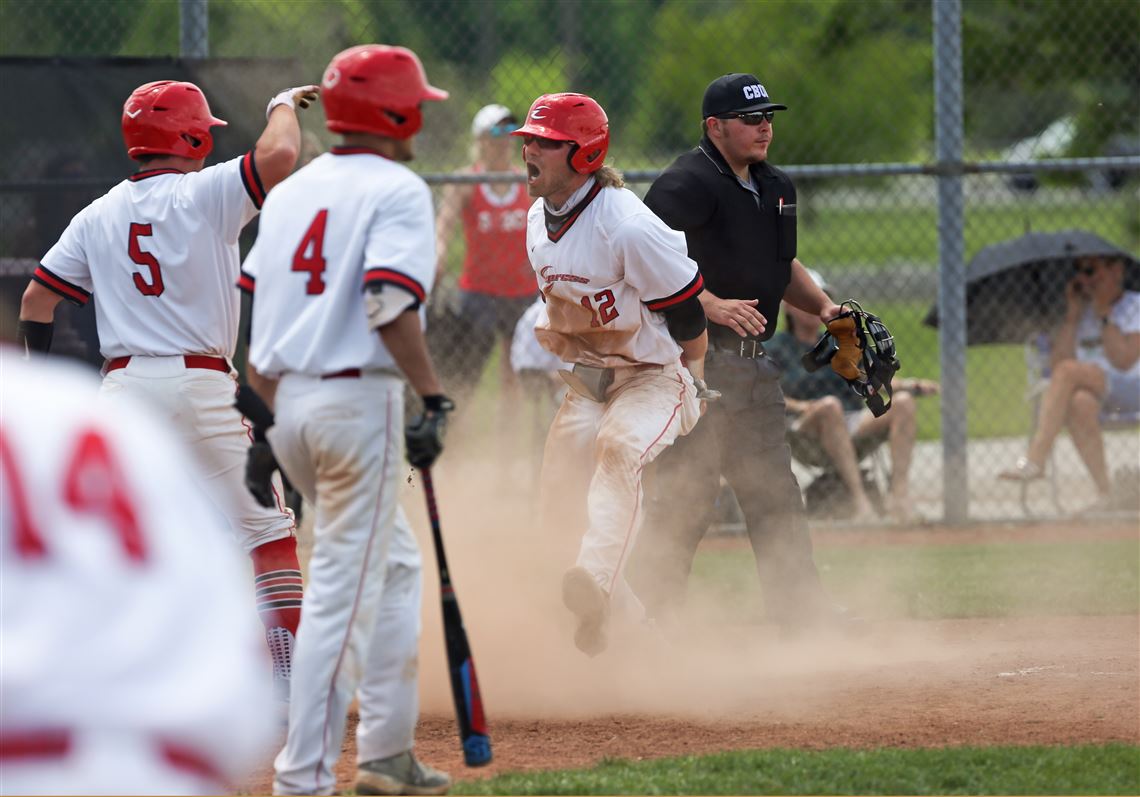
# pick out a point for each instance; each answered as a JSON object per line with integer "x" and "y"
{"x": 532, "y": 173}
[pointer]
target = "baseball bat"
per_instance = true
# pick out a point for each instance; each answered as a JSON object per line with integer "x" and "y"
{"x": 460, "y": 665}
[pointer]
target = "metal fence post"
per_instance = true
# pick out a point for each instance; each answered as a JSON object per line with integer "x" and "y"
{"x": 194, "y": 28}
{"x": 952, "y": 276}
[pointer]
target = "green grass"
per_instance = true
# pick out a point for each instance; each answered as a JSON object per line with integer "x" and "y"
{"x": 1086, "y": 769}
{"x": 941, "y": 581}
{"x": 888, "y": 231}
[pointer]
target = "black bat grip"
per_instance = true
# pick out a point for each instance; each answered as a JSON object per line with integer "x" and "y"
{"x": 475, "y": 739}
{"x": 436, "y": 534}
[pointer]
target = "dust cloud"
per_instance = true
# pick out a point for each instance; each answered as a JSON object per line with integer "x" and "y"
{"x": 507, "y": 574}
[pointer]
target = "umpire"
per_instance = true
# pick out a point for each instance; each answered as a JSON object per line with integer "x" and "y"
{"x": 738, "y": 213}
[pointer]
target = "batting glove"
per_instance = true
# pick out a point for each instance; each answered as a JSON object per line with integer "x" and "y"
{"x": 300, "y": 95}
{"x": 259, "y": 467}
{"x": 423, "y": 437}
{"x": 704, "y": 392}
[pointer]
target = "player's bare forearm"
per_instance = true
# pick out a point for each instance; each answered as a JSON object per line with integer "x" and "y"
{"x": 739, "y": 315}
{"x": 262, "y": 385}
{"x": 277, "y": 150}
{"x": 450, "y": 208}
{"x": 694, "y": 353}
{"x": 38, "y": 303}
{"x": 405, "y": 341}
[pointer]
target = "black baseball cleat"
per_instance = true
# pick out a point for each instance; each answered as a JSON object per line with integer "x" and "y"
{"x": 582, "y": 595}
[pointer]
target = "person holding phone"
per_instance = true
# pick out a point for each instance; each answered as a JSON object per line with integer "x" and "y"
{"x": 1095, "y": 366}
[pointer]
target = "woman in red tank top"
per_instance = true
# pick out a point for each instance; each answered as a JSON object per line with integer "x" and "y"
{"x": 496, "y": 283}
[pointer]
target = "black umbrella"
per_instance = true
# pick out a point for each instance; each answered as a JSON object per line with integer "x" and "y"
{"x": 1016, "y": 288}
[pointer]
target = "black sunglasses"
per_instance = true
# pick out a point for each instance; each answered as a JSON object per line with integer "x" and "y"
{"x": 1088, "y": 271}
{"x": 752, "y": 118}
{"x": 543, "y": 143}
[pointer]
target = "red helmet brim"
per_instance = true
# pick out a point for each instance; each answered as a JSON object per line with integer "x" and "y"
{"x": 542, "y": 131}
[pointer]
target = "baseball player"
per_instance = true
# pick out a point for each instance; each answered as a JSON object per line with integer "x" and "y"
{"x": 121, "y": 674}
{"x": 160, "y": 253}
{"x": 621, "y": 301}
{"x": 339, "y": 273}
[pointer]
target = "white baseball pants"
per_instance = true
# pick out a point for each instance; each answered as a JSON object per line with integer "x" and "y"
{"x": 341, "y": 443}
{"x": 595, "y": 457}
{"x": 199, "y": 404}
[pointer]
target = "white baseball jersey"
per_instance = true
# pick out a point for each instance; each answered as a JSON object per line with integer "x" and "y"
{"x": 1125, "y": 314}
{"x": 527, "y": 354}
{"x": 605, "y": 267}
{"x": 350, "y": 218}
{"x": 160, "y": 252}
{"x": 131, "y": 663}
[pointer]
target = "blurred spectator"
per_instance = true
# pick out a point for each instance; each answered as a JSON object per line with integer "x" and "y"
{"x": 132, "y": 662}
{"x": 1095, "y": 364}
{"x": 825, "y": 410}
{"x": 496, "y": 284}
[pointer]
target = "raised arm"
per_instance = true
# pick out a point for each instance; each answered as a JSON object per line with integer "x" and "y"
{"x": 279, "y": 146}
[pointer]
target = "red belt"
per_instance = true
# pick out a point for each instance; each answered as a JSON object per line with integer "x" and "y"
{"x": 34, "y": 744}
{"x": 18, "y": 745}
{"x": 192, "y": 361}
{"x": 347, "y": 373}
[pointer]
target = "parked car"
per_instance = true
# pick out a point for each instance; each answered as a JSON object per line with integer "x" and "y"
{"x": 1055, "y": 141}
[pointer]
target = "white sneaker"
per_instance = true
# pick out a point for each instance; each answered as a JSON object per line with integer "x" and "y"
{"x": 1022, "y": 471}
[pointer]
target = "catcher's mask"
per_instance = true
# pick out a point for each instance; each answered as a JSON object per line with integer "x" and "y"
{"x": 859, "y": 347}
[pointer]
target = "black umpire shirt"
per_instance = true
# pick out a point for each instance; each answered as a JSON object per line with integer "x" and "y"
{"x": 743, "y": 244}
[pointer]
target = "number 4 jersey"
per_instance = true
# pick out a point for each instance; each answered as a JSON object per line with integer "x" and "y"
{"x": 350, "y": 219}
{"x": 160, "y": 252}
{"x": 607, "y": 267}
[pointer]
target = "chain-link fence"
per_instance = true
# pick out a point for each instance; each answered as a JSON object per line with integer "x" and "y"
{"x": 918, "y": 134}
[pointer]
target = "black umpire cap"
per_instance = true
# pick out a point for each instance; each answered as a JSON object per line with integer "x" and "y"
{"x": 737, "y": 93}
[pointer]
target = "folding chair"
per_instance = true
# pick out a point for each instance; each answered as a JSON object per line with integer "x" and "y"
{"x": 808, "y": 451}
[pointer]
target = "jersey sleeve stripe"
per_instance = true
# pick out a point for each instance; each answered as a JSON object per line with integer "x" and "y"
{"x": 73, "y": 293}
{"x": 386, "y": 276}
{"x": 689, "y": 291}
{"x": 252, "y": 180}
{"x": 246, "y": 282}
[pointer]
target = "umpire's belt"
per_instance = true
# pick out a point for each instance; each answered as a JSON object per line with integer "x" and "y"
{"x": 748, "y": 348}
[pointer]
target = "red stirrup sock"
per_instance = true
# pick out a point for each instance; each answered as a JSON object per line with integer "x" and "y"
{"x": 277, "y": 580}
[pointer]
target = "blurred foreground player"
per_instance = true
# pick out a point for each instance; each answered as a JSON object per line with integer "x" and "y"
{"x": 127, "y": 668}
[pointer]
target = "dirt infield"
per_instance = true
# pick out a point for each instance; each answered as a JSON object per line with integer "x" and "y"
{"x": 1034, "y": 680}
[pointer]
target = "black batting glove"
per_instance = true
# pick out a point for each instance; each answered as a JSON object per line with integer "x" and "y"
{"x": 293, "y": 498}
{"x": 423, "y": 437}
{"x": 259, "y": 467}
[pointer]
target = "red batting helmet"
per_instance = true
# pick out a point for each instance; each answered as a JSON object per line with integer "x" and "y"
{"x": 168, "y": 117}
{"x": 571, "y": 117}
{"x": 376, "y": 88}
